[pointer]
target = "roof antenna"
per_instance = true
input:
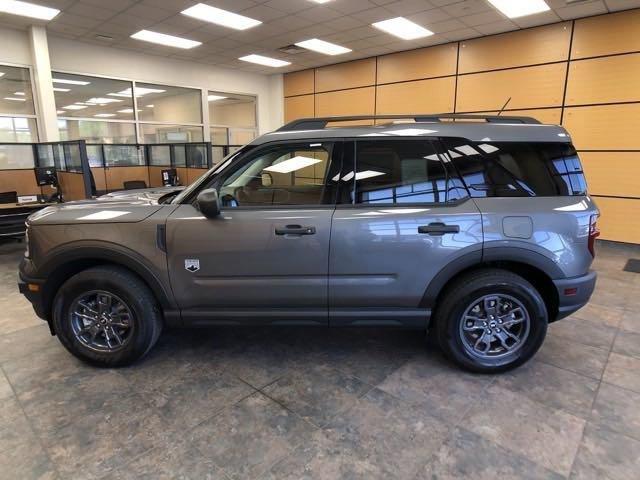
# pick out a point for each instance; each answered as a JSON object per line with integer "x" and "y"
{"x": 504, "y": 106}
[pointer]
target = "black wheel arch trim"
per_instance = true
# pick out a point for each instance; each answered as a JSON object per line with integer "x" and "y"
{"x": 478, "y": 258}
{"x": 107, "y": 253}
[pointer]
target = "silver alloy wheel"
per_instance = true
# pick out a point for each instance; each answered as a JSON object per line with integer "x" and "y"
{"x": 494, "y": 326}
{"x": 101, "y": 321}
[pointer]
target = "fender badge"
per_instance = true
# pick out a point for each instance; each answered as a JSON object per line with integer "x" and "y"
{"x": 192, "y": 264}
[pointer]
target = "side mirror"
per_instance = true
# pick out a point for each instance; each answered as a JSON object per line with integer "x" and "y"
{"x": 209, "y": 203}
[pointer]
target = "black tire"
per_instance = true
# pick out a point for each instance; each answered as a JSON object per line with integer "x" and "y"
{"x": 145, "y": 319}
{"x": 463, "y": 293}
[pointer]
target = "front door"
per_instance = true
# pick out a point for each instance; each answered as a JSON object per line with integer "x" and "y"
{"x": 265, "y": 258}
{"x": 403, "y": 216}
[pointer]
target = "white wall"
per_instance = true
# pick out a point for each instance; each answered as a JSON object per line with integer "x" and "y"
{"x": 83, "y": 58}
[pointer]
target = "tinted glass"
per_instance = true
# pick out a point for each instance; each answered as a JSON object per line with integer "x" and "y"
{"x": 15, "y": 91}
{"x": 97, "y": 132}
{"x": 123, "y": 156}
{"x": 402, "y": 171}
{"x": 518, "y": 169}
{"x": 281, "y": 175}
{"x": 164, "y": 103}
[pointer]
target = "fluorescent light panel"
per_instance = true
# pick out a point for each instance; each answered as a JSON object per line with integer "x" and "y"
{"x": 57, "y": 89}
{"x": 102, "y": 100}
{"x": 520, "y": 8}
{"x": 262, "y": 60}
{"x": 164, "y": 39}
{"x": 140, "y": 92}
{"x": 321, "y": 46}
{"x": 14, "y": 99}
{"x": 105, "y": 115}
{"x": 220, "y": 17}
{"x": 402, "y": 28}
{"x": 213, "y": 98}
{"x": 74, "y": 107}
{"x": 26, "y": 9}
{"x": 292, "y": 165}
{"x": 69, "y": 82}
{"x": 19, "y": 94}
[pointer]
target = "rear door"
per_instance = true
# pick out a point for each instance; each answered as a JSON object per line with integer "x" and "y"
{"x": 403, "y": 216}
{"x": 265, "y": 258}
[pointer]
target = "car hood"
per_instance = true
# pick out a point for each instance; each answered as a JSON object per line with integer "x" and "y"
{"x": 95, "y": 211}
{"x": 144, "y": 194}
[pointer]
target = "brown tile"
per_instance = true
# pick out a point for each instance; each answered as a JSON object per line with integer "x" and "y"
{"x": 467, "y": 455}
{"x": 623, "y": 371}
{"x": 27, "y": 461}
{"x": 104, "y": 440}
{"x": 582, "y": 359}
{"x": 317, "y": 394}
{"x": 605, "y": 454}
{"x": 601, "y": 314}
{"x": 552, "y": 386}
{"x": 197, "y": 395}
{"x": 627, "y": 343}
{"x": 617, "y": 409}
{"x": 545, "y": 436}
{"x": 437, "y": 385}
{"x": 169, "y": 461}
{"x": 249, "y": 437}
{"x": 583, "y": 331}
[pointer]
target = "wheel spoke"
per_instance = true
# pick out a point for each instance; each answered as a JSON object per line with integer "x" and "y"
{"x": 473, "y": 323}
{"x": 90, "y": 318}
{"x": 115, "y": 335}
{"x": 89, "y": 309}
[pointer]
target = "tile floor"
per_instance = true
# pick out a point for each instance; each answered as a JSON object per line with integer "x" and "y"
{"x": 319, "y": 404}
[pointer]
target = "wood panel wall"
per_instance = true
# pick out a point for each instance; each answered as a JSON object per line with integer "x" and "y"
{"x": 583, "y": 74}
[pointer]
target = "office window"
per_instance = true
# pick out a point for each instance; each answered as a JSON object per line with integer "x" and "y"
{"x": 170, "y": 133}
{"x": 233, "y": 118}
{"x": 96, "y": 132}
{"x": 17, "y": 110}
{"x": 80, "y": 96}
{"x": 166, "y": 104}
{"x": 401, "y": 172}
{"x": 13, "y": 157}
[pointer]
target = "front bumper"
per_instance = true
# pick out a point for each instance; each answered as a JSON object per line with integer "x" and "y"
{"x": 574, "y": 293}
{"x": 32, "y": 288}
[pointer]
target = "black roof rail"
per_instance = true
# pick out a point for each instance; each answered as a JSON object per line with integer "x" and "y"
{"x": 320, "y": 123}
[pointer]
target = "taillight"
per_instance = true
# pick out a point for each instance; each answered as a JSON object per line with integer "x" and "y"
{"x": 593, "y": 234}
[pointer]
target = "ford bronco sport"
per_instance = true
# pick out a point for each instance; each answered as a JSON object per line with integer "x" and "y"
{"x": 478, "y": 228}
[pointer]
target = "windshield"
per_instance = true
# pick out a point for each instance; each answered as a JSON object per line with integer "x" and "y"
{"x": 226, "y": 161}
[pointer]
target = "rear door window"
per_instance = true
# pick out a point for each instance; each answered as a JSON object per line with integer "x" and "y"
{"x": 401, "y": 172}
{"x": 517, "y": 169}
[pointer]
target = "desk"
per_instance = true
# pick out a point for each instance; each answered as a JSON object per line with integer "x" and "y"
{"x": 13, "y": 216}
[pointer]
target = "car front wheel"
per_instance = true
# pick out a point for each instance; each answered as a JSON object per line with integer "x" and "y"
{"x": 491, "y": 320}
{"x": 106, "y": 316}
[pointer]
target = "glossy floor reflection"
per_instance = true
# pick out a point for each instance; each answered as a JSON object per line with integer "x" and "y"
{"x": 320, "y": 404}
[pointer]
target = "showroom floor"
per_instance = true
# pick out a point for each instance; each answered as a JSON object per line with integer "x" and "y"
{"x": 299, "y": 403}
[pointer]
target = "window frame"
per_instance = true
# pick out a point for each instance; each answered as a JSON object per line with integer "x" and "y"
{"x": 349, "y": 162}
{"x": 37, "y": 133}
{"x": 334, "y": 166}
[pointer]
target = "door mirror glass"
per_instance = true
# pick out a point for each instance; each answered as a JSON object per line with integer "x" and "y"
{"x": 208, "y": 203}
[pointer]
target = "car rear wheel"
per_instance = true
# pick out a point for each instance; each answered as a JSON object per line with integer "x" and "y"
{"x": 106, "y": 316}
{"x": 490, "y": 321}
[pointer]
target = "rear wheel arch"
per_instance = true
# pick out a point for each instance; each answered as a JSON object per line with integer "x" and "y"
{"x": 540, "y": 276}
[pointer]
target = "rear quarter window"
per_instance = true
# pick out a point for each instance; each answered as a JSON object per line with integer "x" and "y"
{"x": 517, "y": 169}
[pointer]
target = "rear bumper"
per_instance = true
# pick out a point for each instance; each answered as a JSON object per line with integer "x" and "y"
{"x": 574, "y": 293}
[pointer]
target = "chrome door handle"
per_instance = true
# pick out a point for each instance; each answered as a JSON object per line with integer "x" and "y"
{"x": 438, "y": 228}
{"x": 295, "y": 230}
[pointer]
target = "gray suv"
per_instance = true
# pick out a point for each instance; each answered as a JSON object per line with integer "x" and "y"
{"x": 477, "y": 228}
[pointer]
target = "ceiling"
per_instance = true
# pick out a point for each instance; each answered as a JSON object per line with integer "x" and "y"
{"x": 345, "y": 22}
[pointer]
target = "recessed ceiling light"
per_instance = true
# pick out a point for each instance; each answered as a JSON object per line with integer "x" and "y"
{"x": 164, "y": 39}
{"x": 27, "y": 9}
{"x": 213, "y": 98}
{"x": 105, "y": 115}
{"x": 59, "y": 111}
{"x": 321, "y": 1}
{"x": 140, "y": 92}
{"x": 149, "y": 106}
{"x": 261, "y": 60}
{"x": 520, "y": 8}
{"x": 14, "y": 99}
{"x": 69, "y": 82}
{"x": 402, "y": 28}
{"x": 102, "y": 100}
{"x": 220, "y": 17}
{"x": 58, "y": 89}
{"x": 128, "y": 110}
{"x": 20, "y": 94}
{"x": 1, "y": 74}
{"x": 74, "y": 107}
{"x": 321, "y": 46}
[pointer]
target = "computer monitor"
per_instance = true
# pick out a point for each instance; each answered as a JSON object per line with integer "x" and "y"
{"x": 46, "y": 176}
{"x": 169, "y": 177}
